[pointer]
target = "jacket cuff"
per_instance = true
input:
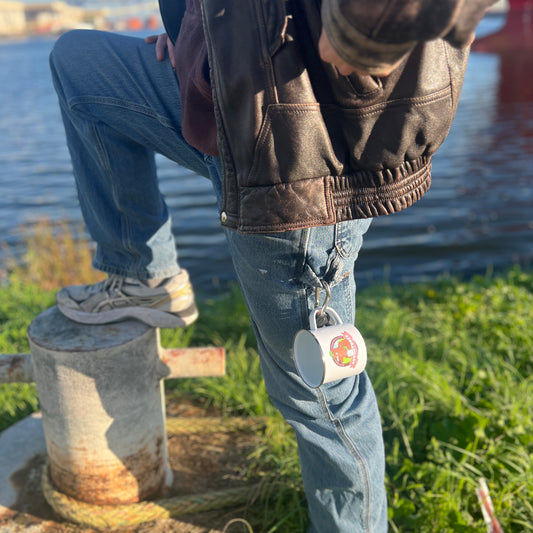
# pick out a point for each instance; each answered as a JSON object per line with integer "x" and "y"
{"x": 354, "y": 47}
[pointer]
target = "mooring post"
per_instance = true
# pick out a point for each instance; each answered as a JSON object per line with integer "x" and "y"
{"x": 102, "y": 400}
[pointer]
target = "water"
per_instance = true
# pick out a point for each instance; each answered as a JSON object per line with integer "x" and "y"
{"x": 477, "y": 214}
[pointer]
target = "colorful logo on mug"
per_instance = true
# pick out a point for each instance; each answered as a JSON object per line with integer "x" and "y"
{"x": 343, "y": 350}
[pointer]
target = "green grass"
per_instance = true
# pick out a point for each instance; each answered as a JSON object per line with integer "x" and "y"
{"x": 452, "y": 370}
{"x": 451, "y": 362}
{"x": 19, "y": 304}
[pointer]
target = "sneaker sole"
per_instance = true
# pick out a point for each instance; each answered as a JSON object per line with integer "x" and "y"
{"x": 151, "y": 317}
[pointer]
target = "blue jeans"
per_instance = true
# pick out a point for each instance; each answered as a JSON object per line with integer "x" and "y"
{"x": 120, "y": 105}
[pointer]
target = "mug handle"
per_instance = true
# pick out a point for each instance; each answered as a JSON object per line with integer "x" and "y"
{"x": 331, "y": 312}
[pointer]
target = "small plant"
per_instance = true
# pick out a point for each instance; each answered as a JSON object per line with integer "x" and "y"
{"x": 55, "y": 256}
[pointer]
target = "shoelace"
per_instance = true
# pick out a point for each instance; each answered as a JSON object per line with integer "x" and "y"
{"x": 113, "y": 283}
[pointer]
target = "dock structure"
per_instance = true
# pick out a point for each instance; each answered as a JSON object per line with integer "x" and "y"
{"x": 19, "y": 18}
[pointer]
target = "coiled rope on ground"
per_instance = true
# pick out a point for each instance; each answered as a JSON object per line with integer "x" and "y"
{"x": 115, "y": 516}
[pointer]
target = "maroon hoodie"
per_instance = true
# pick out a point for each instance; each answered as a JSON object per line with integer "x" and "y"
{"x": 198, "y": 116}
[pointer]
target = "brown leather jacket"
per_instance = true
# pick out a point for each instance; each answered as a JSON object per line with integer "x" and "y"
{"x": 300, "y": 144}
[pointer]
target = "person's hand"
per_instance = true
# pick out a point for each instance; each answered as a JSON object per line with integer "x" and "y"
{"x": 328, "y": 54}
{"x": 162, "y": 44}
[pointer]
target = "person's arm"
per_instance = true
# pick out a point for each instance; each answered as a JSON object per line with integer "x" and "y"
{"x": 373, "y": 36}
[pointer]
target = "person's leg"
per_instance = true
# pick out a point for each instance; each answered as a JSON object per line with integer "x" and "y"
{"x": 119, "y": 106}
{"x": 338, "y": 425}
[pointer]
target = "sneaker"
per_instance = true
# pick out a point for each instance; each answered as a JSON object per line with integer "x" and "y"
{"x": 169, "y": 305}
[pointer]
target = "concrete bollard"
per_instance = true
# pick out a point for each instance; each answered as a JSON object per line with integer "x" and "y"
{"x": 102, "y": 401}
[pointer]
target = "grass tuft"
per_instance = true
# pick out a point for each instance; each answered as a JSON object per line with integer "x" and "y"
{"x": 55, "y": 256}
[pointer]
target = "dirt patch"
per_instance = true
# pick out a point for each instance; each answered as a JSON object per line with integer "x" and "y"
{"x": 202, "y": 461}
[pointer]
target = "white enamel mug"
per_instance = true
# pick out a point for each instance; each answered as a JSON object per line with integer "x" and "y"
{"x": 328, "y": 353}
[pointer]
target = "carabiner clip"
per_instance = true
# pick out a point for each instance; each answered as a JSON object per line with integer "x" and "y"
{"x": 325, "y": 284}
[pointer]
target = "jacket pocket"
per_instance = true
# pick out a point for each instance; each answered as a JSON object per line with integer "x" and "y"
{"x": 386, "y": 134}
{"x": 293, "y": 144}
{"x": 303, "y": 141}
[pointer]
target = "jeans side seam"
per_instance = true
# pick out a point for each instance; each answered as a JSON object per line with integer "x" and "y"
{"x": 126, "y": 233}
{"x": 339, "y": 428}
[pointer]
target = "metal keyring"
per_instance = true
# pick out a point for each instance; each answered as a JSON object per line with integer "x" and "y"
{"x": 326, "y": 300}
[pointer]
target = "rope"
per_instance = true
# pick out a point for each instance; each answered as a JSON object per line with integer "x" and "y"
{"x": 114, "y": 516}
{"x": 238, "y": 521}
{"x": 109, "y": 516}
